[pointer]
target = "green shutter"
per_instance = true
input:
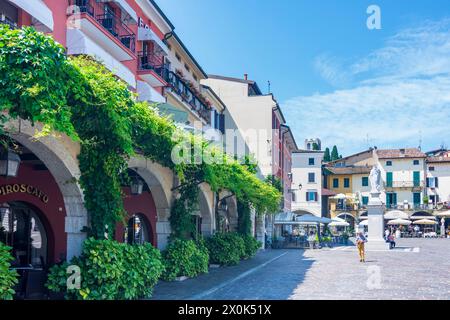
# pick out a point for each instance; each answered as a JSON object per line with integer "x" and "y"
{"x": 416, "y": 198}
{"x": 389, "y": 179}
{"x": 416, "y": 178}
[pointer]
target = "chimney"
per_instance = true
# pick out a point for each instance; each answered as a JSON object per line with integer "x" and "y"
{"x": 246, "y": 76}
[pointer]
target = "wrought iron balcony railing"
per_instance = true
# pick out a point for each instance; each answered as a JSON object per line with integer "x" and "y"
{"x": 150, "y": 61}
{"x": 5, "y": 20}
{"x": 113, "y": 24}
{"x": 188, "y": 95}
{"x": 405, "y": 184}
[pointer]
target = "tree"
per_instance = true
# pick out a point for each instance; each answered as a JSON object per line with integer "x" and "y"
{"x": 334, "y": 154}
{"x": 327, "y": 156}
{"x": 315, "y": 147}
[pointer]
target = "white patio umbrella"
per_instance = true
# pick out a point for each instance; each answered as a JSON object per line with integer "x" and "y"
{"x": 399, "y": 222}
{"x": 444, "y": 214}
{"x": 340, "y": 196}
{"x": 339, "y": 224}
{"x": 425, "y": 222}
{"x": 364, "y": 223}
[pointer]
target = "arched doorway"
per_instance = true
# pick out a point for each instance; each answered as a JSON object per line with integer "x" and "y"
{"x": 25, "y": 229}
{"x": 141, "y": 212}
{"x": 138, "y": 230}
{"x": 33, "y": 196}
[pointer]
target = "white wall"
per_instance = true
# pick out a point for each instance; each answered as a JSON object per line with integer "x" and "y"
{"x": 300, "y": 170}
{"x": 251, "y": 116}
{"x": 442, "y": 172}
{"x": 402, "y": 170}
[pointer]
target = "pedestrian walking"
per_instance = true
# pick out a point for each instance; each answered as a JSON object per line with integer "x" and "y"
{"x": 360, "y": 241}
{"x": 311, "y": 239}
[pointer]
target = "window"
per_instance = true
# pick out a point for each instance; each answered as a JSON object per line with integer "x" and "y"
{"x": 391, "y": 200}
{"x": 389, "y": 179}
{"x": 365, "y": 201}
{"x": 416, "y": 162}
{"x": 169, "y": 47}
{"x": 177, "y": 56}
{"x": 195, "y": 77}
{"x": 346, "y": 182}
{"x": 294, "y": 197}
{"x": 335, "y": 183}
{"x": 389, "y": 163}
{"x": 365, "y": 181}
{"x": 311, "y": 161}
{"x": 311, "y": 196}
{"x": 187, "y": 67}
{"x": 431, "y": 168}
{"x": 432, "y": 182}
{"x": 311, "y": 177}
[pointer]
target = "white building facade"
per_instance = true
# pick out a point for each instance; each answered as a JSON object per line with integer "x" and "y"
{"x": 307, "y": 182}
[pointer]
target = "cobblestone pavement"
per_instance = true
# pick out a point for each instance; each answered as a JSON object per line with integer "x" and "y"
{"x": 416, "y": 269}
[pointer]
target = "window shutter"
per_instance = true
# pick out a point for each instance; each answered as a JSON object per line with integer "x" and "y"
{"x": 428, "y": 182}
{"x": 315, "y": 196}
{"x": 222, "y": 123}
{"x": 307, "y": 196}
{"x": 436, "y": 184}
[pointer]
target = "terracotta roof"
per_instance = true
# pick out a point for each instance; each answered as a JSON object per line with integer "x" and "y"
{"x": 438, "y": 159}
{"x": 400, "y": 153}
{"x": 349, "y": 170}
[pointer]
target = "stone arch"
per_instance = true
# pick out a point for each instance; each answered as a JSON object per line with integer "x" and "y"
{"x": 206, "y": 205}
{"x": 160, "y": 181}
{"x": 59, "y": 154}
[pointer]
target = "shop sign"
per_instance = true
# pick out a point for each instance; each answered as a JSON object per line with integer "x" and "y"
{"x": 23, "y": 188}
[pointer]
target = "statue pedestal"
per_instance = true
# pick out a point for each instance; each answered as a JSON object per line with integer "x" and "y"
{"x": 375, "y": 213}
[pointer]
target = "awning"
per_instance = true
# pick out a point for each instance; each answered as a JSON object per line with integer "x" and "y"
{"x": 283, "y": 217}
{"x": 327, "y": 193}
{"x": 147, "y": 34}
{"x": 309, "y": 218}
{"x": 127, "y": 8}
{"x": 38, "y": 10}
{"x": 443, "y": 214}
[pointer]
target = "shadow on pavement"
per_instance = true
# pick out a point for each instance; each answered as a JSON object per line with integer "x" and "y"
{"x": 274, "y": 281}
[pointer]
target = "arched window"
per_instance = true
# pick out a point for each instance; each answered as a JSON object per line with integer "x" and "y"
{"x": 137, "y": 231}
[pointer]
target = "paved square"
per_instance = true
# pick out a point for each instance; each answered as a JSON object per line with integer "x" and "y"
{"x": 417, "y": 269}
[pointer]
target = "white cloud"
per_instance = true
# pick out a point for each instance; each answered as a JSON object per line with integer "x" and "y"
{"x": 403, "y": 94}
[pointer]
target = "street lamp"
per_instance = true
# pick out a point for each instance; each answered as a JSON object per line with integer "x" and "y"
{"x": 137, "y": 185}
{"x": 300, "y": 186}
{"x": 9, "y": 163}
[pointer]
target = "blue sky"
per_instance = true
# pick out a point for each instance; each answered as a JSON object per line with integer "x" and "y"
{"x": 334, "y": 78}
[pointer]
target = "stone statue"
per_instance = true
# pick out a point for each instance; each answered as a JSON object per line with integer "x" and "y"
{"x": 375, "y": 179}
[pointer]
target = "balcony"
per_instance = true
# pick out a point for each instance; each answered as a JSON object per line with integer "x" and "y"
{"x": 113, "y": 25}
{"x": 406, "y": 184}
{"x": 189, "y": 96}
{"x": 5, "y": 20}
{"x": 152, "y": 69}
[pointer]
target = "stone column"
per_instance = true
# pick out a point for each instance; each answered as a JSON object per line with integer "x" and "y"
{"x": 75, "y": 221}
{"x": 375, "y": 213}
{"x": 260, "y": 229}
